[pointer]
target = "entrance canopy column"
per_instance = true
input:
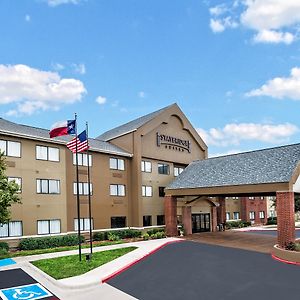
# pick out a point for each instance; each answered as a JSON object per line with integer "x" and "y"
{"x": 285, "y": 206}
{"x": 221, "y": 211}
{"x": 170, "y": 204}
{"x": 187, "y": 219}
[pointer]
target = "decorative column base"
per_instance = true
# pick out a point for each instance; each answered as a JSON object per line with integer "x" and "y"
{"x": 285, "y": 206}
{"x": 187, "y": 219}
{"x": 170, "y": 204}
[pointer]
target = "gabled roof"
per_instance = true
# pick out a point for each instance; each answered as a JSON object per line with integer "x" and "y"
{"x": 273, "y": 165}
{"x": 131, "y": 126}
{"x": 11, "y": 128}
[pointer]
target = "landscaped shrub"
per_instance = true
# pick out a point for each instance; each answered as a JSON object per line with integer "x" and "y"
{"x": 146, "y": 237}
{"x": 112, "y": 236}
{"x": 237, "y": 224}
{"x": 100, "y": 236}
{"x": 49, "y": 242}
{"x": 4, "y": 246}
{"x": 272, "y": 221}
{"x": 158, "y": 235}
{"x": 155, "y": 230}
{"x": 291, "y": 246}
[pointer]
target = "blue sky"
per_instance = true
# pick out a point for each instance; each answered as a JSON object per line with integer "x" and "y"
{"x": 232, "y": 66}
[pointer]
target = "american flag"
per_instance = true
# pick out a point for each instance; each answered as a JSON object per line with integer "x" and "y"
{"x": 82, "y": 143}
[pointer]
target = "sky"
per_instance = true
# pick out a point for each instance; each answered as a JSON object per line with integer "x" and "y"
{"x": 233, "y": 67}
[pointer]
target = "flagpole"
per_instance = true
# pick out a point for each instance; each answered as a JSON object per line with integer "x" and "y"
{"x": 89, "y": 190}
{"x": 77, "y": 190}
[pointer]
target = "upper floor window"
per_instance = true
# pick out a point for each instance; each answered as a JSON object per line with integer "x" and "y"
{"x": 163, "y": 169}
{"x": 117, "y": 189}
{"x": 48, "y": 226}
{"x": 177, "y": 170}
{"x": 47, "y": 153}
{"x": 146, "y": 191}
{"x": 13, "y": 228}
{"x": 47, "y": 186}
{"x": 10, "y": 148}
{"x": 83, "y": 188}
{"x": 146, "y": 166}
{"x": 82, "y": 159}
{"x": 251, "y": 198}
{"x": 161, "y": 191}
{"x": 235, "y": 198}
{"x": 18, "y": 181}
{"x": 116, "y": 164}
{"x": 252, "y": 215}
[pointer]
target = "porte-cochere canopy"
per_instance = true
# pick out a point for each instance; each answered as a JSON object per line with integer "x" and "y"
{"x": 273, "y": 171}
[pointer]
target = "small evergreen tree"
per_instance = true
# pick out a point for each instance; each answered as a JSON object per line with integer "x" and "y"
{"x": 8, "y": 192}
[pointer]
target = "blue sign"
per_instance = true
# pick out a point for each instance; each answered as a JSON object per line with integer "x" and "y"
{"x": 25, "y": 292}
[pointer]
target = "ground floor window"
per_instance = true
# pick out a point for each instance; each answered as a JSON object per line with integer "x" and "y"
{"x": 147, "y": 221}
{"x": 236, "y": 215}
{"x": 160, "y": 220}
{"x": 227, "y": 215}
{"x": 118, "y": 222}
{"x": 84, "y": 224}
{"x": 252, "y": 215}
{"x": 261, "y": 214}
{"x": 48, "y": 226}
{"x": 13, "y": 228}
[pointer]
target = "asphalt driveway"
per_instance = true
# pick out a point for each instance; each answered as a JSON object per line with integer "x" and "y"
{"x": 191, "y": 270}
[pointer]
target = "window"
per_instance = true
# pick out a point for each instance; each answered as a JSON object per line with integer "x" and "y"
{"x": 118, "y": 222}
{"x": 261, "y": 214}
{"x": 18, "y": 181}
{"x": 82, "y": 159}
{"x": 47, "y": 186}
{"x": 161, "y": 191}
{"x": 236, "y": 215}
{"x": 146, "y": 166}
{"x": 235, "y": 198}
{"x": 147, "y": 221}
{"x": 10, "y": 148}
{"x": 163, "y": 169}
{"x": 46, "y": 153}
{"x": 84, "y": 224}
{"x": 117, "y": 164}
{"x": 177, "y": 170}
{"x": 251, "y": 198}
{"x": 146, "y": 191}
{"x": 252, "y": 215}
{"x": 83, "y": 188}
{"x": 160, "y": 220}
{"x": 48, "y": 226}
{"x": 117, "y": 190}
{"x": 227, "y": 215}
{"x": 13, "y": 228}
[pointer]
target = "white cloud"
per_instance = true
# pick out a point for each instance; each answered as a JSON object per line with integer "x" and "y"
{"x": 219, "y": 25}
{"x": 280, "y": 87}
{"x": 54, "y": 3}
{"x": 33, "y": 90}
{"x": 27, "y": 18}
{"x": 57, "y": 66}
{"x": 234, "y": 133}
{"x": 274, "y": 21}
{"x": 79, "y": 68}
{"x": 142, "y": 94}
{"x": 101, "y": 100}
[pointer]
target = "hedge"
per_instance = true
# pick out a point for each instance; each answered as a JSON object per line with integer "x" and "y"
{"x": 117, "y": 234}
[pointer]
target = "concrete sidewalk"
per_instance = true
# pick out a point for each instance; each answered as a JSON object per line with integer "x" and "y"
{"x": 89, "y": 285}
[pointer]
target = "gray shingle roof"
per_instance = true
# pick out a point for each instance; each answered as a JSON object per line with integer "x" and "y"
{"x": 130, "y": 126}
{"x": 26, "y": 131}
{"x": 273, "y": 165}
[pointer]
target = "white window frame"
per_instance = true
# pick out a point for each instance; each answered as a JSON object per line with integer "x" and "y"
{"x": 251, "y": 198}
{"x": 82, "y": 159}
{"x": 163, "y": 165}
{"x": 117, "y": 163}
{"x": 261, "y": 214}
{"x": 117, "y": 190}
{"x": 146, "y": 166}
{"x": 49, "y": 226}
{"x": 147, "y": 191}
{"x": 84, "y": 224}
{"x": 47, "y": 153}
{"x": 6, "y": 147}
{"x": 7, "y": 230}
{"x": 227, "y": 215}
{"x": 252, "y": 215}
{"x": 83, "y": 188}
{"x": 177, "y": 170}
{"x": 236, "y": 215}
{"x": 17, "y": 180}
{"x": 43, "y": 186}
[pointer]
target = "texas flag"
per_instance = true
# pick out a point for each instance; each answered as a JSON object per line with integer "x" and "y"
{"x": 63, "y": 128}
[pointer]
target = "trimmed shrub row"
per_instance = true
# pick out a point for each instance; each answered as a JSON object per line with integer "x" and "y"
{"x": 116, "y": 235}
{"x": 49, "y": 242}
{"x": 237, "y": 224}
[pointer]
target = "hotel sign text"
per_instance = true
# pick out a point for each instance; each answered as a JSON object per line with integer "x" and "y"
{"x": 173, "y": 142}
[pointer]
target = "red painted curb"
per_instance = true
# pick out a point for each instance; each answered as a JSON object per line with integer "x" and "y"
{"x": 285, "y": 261}
{"x": 105, "y": 279}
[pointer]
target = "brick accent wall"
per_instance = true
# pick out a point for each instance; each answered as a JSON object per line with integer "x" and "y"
{"x": 221, "y": 211}
{"x": 285, "y": 206}
{"x": 187, "y": 219}
{"x": 170, "y": 204}
{"x": 256, "y": 205}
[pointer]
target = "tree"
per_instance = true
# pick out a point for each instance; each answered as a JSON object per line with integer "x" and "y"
{"x": 297, "y": 203}
{"x": 8, "y": 193}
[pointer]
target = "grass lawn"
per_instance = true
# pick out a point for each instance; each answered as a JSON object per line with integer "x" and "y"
{"x": 69, "y": 266}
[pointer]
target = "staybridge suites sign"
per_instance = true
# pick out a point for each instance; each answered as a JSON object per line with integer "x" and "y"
{"x": 174, "y": 143}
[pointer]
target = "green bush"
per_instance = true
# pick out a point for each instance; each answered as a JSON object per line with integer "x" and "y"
{"x": 4, "y": 246}
{"x": 146, "y": 237}
{"x": 237, "y": 224}
{"x": 100, "y": 236}
{"x": 112, "y": 236}
{"x": 158, "y": 235}
{"x": 291, "y": 246}
{"x": 272, "y": 221}
{"x": 155, "y": 230}
{"x": 3, "y": 253}
{"x": 49, "y": 242}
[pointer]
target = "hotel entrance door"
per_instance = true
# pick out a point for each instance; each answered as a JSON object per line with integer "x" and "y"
{"x": 200, "y": 222}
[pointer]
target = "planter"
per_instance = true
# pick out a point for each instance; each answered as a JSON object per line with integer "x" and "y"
{"x": 286, "y": 256}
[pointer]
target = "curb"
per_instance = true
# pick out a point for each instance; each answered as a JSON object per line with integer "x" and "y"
{"x": 285, "y": 261}
{"x": 105, "y": 279}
